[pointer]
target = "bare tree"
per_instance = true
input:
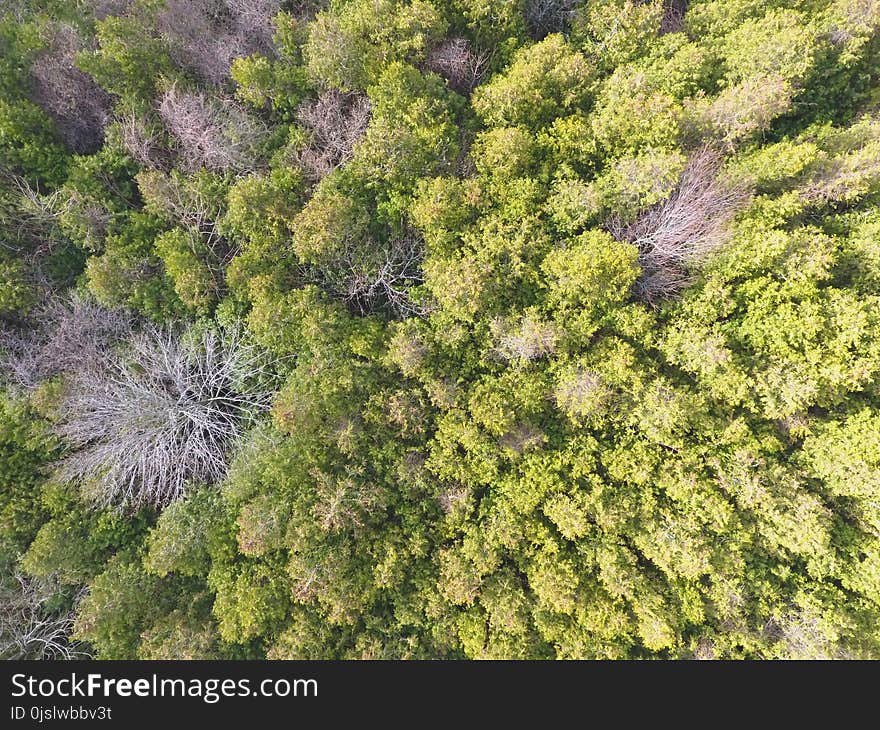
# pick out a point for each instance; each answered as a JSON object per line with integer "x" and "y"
{"x": 544, "y": 17}
{"x": 457, "y": 62}
{"x": 104, "y": 8}
{"x": 454, "y": 497}
{"x": 142, "y": 138}
{"x": 740, "y": 110}
{"x": 78, "y": 105}
{"x": 163, "y": 413}
{"x": 214, "y": 134}
{"x": 582, "y": 393}
{"x": 800, "y": 635}
{"x": 29, "y": 218}
{"x": 206, "y": 35}
{"x": 681, "y": 231}
{"x": 254, "y": 19}
{"x": 673, "y": 15}
{"x": 527, "y": 339}
{"x": 376, "y": 280}
{"x": 64, "y": 335}
{"x": 522, "y": 438}
{"x": 335, "y": 122}
{"x": 29, "y": 627}
{"x": 186, "y": 205}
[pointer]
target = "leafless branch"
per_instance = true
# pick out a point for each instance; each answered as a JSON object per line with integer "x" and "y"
{"x": 544, "y": 17}
{"x": 335, "y": 122}
{"x": 526, "y": 339}
{"x": 78, "y": 105}
{"x": 206, "y": 35}
{"x": 685, "y": 228}
{"x": 143, "y": 140}
{"x": 164, "y": 412}
{"x": 673, "y": 15}
{"x": 214, "y": 134}
{"x": 29, "y": 628}
{"x": 66, "y": 335}
{"x": 458, "y": 63}
{"x": 377, "y": 281}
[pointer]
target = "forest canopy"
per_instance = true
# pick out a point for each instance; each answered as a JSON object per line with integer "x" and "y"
{"x": 440, "y": 329}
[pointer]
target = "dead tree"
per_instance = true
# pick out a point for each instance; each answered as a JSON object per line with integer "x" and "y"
{"x": 335, "y": 122}
{"x": 683, "y": 230}
{"x": 205, "y": 36}
{"x": 105, "y": 8}
{"x": 29, "y": 628}
{"x": 79, "y": 107}
{"x": 461, "y": 65}
{"x": 526, "y": 339}
{"x": 30, "y": 218}
{"x": 373, "y": 278}
{"x": 215, "y": 134}
{"x": 159, "y": 415}
{"x": 380, "y": 281}
{"x": 544, "y": 17}
{"x": 142, "y": 138}
{"x": 673, "y": 15}
{"x": 64, "y": 336}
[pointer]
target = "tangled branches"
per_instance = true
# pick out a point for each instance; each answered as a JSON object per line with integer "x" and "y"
{"x": 64, "y": 335}
{"x": 548, "y": 16}
{"x": 335, "y": 121}
{"x": 206, "y": 35}
{"x": 214, "y": 135}
{"x": 371, "y": 280}
{"x": 685, "y": 228}
{"x": 78, "y": 105}
{"x": 29, "y": 627}
{"x": 142, "y": 138}
{"x": 164, "y": 412}
{"x": 457, "y": 62}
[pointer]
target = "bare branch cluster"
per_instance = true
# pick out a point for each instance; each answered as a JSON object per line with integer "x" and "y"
{"x": 683, "y": 230}
{"x": 186, "y": 205}
{"x": 78, "y": 105}
{"x": 142, "y": 138}
{"x": 581, "y": 393}
{"x": 382, "y": 280}
{"x": 453, "y": 497}
{"x": 544, "y": 17}
{"x": 105, "y": 8}
{"x": 29, "y": 628}
{"x": 673, "y": 15}
{"x": 335, "y": 122}
{"x": 161, "y": 414}
{"x": 29, "y": 218}
{"x": 65, "y": 335}
{"x": 526, "y": 339}
{"x": 800, "y": 635}
{"x": 206, "y": 35}
{"x": 458, "y": 63}
{"x": 216, "y": 135}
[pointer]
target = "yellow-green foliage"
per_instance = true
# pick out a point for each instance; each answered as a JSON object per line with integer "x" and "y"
{"x": 572, "y": 328}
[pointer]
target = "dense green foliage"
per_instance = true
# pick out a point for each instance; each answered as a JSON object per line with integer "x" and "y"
{"x": 570, "y": 313}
